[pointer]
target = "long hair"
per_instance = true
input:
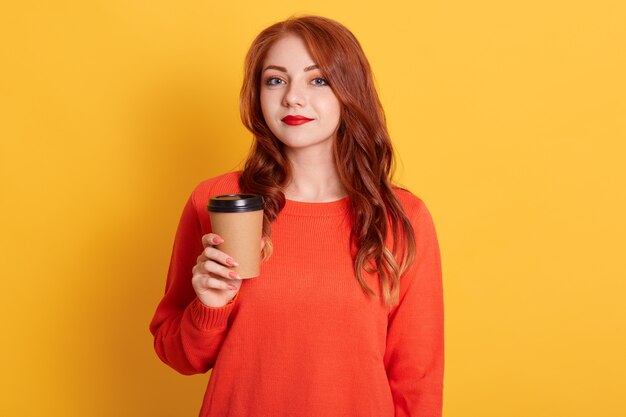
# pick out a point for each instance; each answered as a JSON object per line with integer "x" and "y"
{"x": 362, "y": 152}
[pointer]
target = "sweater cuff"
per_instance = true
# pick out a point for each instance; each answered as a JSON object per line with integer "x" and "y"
{"x": 207, "y": 318}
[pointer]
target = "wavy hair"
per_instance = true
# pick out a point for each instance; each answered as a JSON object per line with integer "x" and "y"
{"x": 362, "y": 152}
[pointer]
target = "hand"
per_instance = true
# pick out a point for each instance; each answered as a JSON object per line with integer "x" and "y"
{"x": 213, "y": 281}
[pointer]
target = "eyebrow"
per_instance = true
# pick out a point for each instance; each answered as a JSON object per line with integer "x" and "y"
{"x": 283, "y": 69}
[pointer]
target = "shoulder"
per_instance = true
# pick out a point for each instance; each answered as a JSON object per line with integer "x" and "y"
{"x": 227, "y": 183}
{"x": 416, "y": 210}
{"x": 411, "y": 203}
{"x": 418, "y": 213}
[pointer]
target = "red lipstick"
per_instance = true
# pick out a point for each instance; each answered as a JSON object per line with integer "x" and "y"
{"x": 295, "y": 120}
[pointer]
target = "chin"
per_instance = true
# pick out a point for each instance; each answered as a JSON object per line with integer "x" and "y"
{"x": 303, "y": 143}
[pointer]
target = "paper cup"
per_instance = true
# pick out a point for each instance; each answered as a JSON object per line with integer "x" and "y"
{"x": 238, "y": 219}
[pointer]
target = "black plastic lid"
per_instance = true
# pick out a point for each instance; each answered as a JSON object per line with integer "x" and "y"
{"x": 235, "y": 203}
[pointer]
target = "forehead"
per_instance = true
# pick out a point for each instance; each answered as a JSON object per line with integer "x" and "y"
{"x": 290, "y": 52}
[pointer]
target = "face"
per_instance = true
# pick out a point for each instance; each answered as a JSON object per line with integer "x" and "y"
{"x": 298, "y": 105}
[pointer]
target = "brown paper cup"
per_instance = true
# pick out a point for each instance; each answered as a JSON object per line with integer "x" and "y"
{"x": 238, "y": 219}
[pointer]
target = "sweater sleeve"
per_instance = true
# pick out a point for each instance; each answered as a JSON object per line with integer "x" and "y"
{"x": 188, "y": 334}
{"x": 414, "y": 355}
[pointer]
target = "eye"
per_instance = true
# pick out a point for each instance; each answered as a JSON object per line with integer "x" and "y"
{"x": 320, "y": 81}
{"x": 273, "y": 81}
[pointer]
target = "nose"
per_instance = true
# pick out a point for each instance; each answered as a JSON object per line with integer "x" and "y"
{"x": 294, "y": 96}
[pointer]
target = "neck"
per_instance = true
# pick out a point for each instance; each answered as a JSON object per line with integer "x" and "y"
{"x": 314, "y": 177}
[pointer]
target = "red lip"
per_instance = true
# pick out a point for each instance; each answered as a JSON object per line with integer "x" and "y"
{"x": 295, "y": 120}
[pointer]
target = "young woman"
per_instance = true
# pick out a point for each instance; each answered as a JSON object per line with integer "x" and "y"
{"x": 346, "y": 318}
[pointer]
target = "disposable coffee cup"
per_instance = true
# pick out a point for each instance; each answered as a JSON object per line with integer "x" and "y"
{"x": 238, "y": 219}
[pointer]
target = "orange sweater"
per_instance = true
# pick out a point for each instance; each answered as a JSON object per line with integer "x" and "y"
{"x": 303, "y": 339}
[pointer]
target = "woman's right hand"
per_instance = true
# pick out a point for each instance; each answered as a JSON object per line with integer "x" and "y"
{"x": 213, "y": 281}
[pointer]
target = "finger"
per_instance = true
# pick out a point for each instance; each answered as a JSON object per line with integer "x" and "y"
{"x": 211, "y": 239}
{"x": 217, "y": 269}
{"x": 219, "y": 256}
{"x": 209, "y": 282}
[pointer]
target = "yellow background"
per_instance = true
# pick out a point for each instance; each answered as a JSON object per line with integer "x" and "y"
{"x": 509, "y": 119}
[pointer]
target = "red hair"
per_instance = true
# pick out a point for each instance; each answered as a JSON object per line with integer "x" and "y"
{"x": 362, "y": 152}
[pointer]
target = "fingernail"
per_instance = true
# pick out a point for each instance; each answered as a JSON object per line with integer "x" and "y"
{"x": 232, "y": 287}
{"x": 231, "y": 262}
{"x": 233, "y": 275}
{"x": 218, "y": 240}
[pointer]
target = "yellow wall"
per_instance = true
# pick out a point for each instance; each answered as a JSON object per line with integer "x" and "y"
{"x": 510, "y": 121}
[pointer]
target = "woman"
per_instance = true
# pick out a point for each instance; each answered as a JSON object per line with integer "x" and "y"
{"x": 346, "y": 318}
